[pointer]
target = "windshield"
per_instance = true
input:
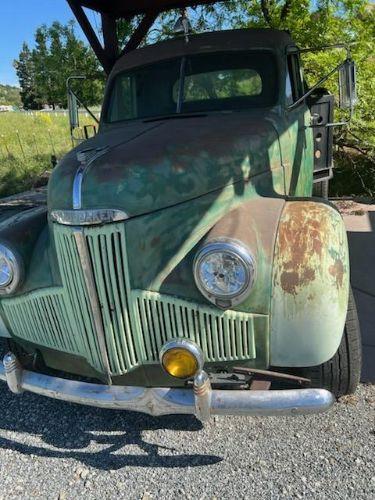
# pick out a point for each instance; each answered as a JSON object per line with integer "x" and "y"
{"x": 199, "y": 83}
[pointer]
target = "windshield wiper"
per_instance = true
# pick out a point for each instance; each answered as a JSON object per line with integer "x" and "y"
{"x": 174, "y": 116}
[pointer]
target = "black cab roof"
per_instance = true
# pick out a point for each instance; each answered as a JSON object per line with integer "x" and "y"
{"x": 226, "y": 40}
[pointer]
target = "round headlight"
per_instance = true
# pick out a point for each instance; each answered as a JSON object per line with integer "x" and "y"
{"x": 224, "y": 272}
{"x": 10, "y": 270}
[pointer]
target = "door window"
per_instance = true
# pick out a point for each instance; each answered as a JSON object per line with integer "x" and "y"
{"x": 294, "y": 79}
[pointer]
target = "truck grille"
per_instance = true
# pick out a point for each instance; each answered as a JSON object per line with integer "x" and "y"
{"x": 136, "y": 322}
{"x": 223, "y": 337}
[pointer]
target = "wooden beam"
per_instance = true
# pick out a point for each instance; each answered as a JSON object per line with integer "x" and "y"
{"x": 90, "y": 34}
{"x": 140, "y": 32}
{"x": 111, "y": 47}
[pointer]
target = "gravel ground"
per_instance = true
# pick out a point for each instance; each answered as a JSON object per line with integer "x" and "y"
{"x": 50, "y": 449}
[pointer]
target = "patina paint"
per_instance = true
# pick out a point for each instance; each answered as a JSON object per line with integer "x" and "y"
{"x": 297, "y": 150}
{"x": 22, "y": 232}
{"x": 162, "y": 255}
{"x": 136, "y": 322}
{"x": 310, "y": 285}
{"x": 170, "y": 162}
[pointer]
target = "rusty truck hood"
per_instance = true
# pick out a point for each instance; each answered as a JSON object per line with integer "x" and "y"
{"x": 147, "y": 166}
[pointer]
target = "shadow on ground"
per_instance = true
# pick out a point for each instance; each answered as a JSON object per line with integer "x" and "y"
{"x": 95, "y": 437}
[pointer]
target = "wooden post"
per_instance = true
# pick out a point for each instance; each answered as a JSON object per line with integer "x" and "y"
{"x": 110, "y": 37}
{"x": 90, "y": 34}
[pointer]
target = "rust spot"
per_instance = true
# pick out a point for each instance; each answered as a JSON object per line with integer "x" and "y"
{"x": 289, "y": 281}
{"x": 301, "y": 240}
{"x": 308, "y": 274}
{"x": 337, "y": 271}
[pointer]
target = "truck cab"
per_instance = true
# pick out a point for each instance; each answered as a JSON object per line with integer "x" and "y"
{"x": 181, "y": 260}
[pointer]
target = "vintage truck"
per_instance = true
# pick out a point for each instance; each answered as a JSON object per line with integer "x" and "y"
{"x": 182, "y": 265}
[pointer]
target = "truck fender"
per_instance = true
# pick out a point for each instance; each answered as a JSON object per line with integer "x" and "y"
{"x": 310, "y": 285}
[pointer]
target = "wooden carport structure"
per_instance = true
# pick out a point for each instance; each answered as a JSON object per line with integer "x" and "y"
{"x": 113, "y": 10}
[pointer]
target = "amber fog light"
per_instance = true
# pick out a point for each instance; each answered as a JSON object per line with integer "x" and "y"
{"x": 181, "y": 358}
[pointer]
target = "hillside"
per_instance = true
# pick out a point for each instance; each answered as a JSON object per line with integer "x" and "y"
{"x": 9, "y": 95}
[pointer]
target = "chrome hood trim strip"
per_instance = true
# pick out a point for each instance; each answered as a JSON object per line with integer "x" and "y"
{"x": 85, "y": 157}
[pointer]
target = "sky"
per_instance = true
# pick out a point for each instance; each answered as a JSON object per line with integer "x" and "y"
{"x": 18, "y": 21}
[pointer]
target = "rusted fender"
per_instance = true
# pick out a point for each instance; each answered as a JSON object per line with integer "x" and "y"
{"x": 310, "y": 285}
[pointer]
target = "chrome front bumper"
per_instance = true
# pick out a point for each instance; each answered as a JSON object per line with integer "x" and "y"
{"x": 201, "y": 401}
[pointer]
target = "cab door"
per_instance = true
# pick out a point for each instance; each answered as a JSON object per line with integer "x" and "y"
{"x": 298, "y": 165}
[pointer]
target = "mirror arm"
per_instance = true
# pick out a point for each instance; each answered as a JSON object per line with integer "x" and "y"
{"x": 85, "y": 107}
{"x": 317, "y": 85}
{"x": 327, "y": 125}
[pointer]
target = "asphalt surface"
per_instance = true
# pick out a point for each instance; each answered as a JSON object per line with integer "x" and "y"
{"x": 50, "y": 449}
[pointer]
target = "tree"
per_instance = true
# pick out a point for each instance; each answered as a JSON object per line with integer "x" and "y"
{"x": 25, "y": 73}
{"x": 57, "y": 55}
{"x": 10, "y": 95}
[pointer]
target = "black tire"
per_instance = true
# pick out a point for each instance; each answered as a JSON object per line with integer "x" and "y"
{"x": 321, "y": 189}
{"x": 342, "y": 373}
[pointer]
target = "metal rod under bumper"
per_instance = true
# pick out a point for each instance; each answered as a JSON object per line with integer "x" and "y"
{"x": 164, "y": 401}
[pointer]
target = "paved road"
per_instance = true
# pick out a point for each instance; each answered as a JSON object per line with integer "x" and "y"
{"x": 50, "y": 449}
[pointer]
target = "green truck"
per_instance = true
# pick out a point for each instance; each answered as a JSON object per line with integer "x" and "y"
{"x": 182, "y": 264}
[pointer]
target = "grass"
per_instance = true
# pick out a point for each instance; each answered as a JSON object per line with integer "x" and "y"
{"x": 27, "y": 142}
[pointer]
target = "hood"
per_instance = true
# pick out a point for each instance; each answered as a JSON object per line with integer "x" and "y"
{"x": 147, "y": 166}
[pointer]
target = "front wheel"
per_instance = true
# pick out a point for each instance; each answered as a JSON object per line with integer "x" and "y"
{"x": 341, "y": 374}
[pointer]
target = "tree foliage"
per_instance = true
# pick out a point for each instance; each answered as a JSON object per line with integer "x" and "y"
{"x": 57, "y": 55}
{"x": 10, "y": 95}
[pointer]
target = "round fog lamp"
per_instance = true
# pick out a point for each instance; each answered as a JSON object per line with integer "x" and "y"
{"x": 181, "y": 358}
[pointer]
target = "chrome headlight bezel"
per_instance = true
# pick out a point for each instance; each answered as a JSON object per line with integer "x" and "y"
{"x": 236, "y": 249}
{"x": 15, "y": 265}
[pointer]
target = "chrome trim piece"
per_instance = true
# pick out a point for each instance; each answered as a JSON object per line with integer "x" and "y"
{"x": 77, "y": 187}
{"x": 186, "y": 344}
{"x": 88, "y": 275}
{"x": 85, "y": 157}
{"x": 13, "y": 372}
{"x": 167, "y": 401}
{"x": 202, "y": 395}
{"x": 17, "y": 270}
{"x": 89, "y": 217}
{"x": 238, "y": 250}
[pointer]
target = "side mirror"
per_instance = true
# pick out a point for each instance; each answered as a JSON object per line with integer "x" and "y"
{"x": 73, "y": 110}
{"x": 74, "y": 103}
{"x": 347, "y": 85}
